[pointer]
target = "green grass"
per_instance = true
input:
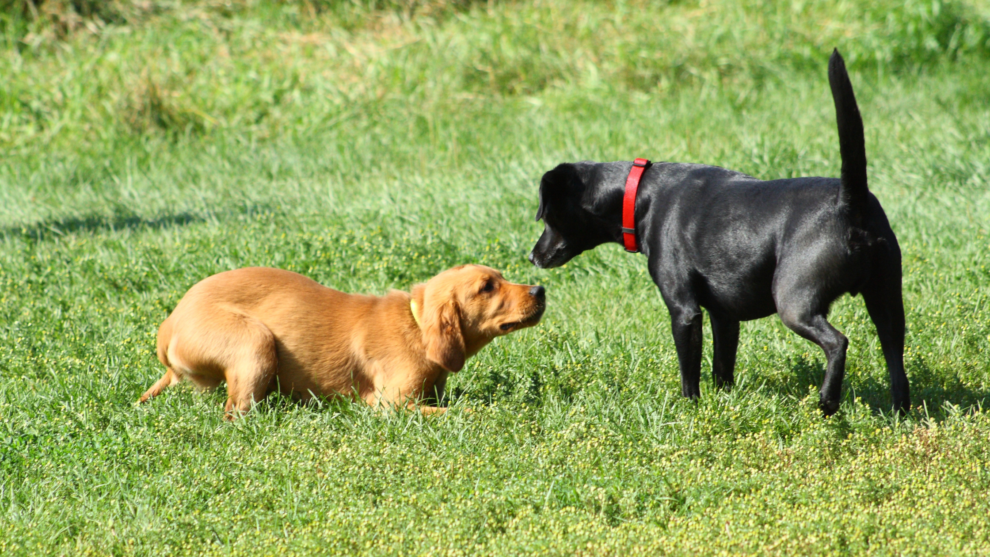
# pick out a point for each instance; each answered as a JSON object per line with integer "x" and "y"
{"x": 370, "y": 145}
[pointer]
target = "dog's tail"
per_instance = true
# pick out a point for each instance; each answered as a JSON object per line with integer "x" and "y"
{"x": 170, "y": 378}
{"x": 164, "y": 339}
{"x": 853, "y": 193}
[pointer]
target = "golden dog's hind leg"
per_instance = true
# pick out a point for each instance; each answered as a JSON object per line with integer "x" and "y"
{"x": 209, "y": 347}
{"x": 254, "y": 365}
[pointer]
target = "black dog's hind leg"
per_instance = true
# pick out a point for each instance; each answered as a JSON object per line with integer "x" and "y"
{"x": 883, "y": 300}
{"x": 725, "y": 332}
{"x": 816, "y": 328}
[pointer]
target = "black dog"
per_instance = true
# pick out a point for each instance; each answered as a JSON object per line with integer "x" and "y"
{"x": 743, "y": 248}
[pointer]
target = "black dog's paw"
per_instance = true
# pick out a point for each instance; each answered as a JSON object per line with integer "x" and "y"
{"x": 902, "y": 406}
{"x": 828, "y": 407}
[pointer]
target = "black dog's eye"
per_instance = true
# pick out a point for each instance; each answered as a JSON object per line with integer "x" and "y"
{"x": 488, "y": 287}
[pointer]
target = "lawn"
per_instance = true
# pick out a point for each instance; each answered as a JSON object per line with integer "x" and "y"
{"x": 370, "y": 144}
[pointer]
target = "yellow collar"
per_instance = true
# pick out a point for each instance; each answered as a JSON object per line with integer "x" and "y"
{"x": 414, "y": 309}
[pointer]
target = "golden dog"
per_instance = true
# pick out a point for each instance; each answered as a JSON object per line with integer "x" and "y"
{"x": 262, "y": 330}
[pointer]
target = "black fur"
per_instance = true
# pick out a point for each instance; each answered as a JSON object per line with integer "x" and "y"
{"x": 743, "y": 248}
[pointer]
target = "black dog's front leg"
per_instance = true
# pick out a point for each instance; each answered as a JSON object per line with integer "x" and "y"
{"x": 685, "y": 321}
{"x": 686, "y": 325}
{"x": 725, "y": 335}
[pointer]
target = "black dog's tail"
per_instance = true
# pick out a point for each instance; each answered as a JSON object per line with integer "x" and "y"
{"x": 854, "y": 192}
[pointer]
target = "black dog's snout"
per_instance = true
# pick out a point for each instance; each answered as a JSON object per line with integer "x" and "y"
{"x": 538, "y": 291}
{"x": 532, "y": 258}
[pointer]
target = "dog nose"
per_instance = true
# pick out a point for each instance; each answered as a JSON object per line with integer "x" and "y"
{"x": 532, "y": 258}
{"x": 538, "y": 291}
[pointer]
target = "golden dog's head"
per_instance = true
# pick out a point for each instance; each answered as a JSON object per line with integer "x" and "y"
{"x": 464, "y": 308}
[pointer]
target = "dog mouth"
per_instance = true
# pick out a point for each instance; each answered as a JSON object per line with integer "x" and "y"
{"x": 528, "y": 321}
{"x": 542, "y": 261}
{"x": 551, "y": 250}
{"x": 549, "y": 259}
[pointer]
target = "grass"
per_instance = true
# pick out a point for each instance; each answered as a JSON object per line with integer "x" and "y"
{"x": 370, "y": 145}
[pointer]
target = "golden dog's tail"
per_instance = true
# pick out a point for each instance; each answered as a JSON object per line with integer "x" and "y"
{"x": 170, "y": 378}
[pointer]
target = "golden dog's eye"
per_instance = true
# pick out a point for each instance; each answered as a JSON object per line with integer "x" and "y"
{"x": 488, "y": 287}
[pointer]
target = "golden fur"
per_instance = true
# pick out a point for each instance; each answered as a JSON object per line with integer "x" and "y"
{"x": 262, "y": 329}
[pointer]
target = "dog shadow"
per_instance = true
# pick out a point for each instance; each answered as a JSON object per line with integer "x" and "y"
{"x": 934, "y": 392}
{"x": 57, "y": 227}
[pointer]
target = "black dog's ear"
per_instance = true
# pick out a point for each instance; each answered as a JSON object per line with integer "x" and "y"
{"x": 552, "y": 182}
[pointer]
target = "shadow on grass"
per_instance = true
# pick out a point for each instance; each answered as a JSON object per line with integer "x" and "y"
{"x": 930, "y": 388}
{"x": 57, "y": 227}
{"x": 122, "y": 218}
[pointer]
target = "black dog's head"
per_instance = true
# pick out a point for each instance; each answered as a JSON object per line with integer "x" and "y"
{"x": 573, "y": 209}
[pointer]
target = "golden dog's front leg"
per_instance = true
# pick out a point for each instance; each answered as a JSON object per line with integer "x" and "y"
{"x": 408, "y": 389}
{"x": 426, "y": 410}
{"x": 406, "y": 402}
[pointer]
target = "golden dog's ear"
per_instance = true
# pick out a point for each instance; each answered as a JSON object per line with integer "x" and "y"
{"x": 442, "y": 328}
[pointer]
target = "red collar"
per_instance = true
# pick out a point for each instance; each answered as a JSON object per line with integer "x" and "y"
{"x": 629, "y": 205}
